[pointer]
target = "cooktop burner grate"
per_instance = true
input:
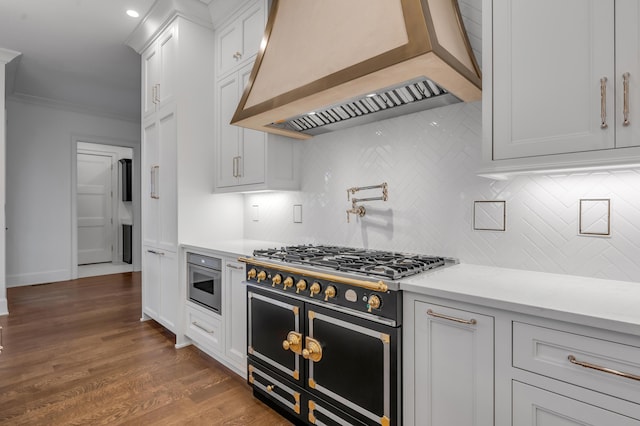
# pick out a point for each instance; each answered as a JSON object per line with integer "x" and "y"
{"x": 376, "y": 263}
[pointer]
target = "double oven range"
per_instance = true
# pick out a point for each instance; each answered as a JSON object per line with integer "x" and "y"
{"x": 324, "y": 332}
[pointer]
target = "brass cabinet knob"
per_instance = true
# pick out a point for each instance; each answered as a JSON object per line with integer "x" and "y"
{"x": 313, "y": 351}
{"x": 329, "y": 293}
{"x": 277, "y": 279}
{"x": 262, "y": 276}
{"x": 315, "y": 288}
{"x": 373, "y": 303}
{"x": 270, "y": 388}
{"x": 252, "y": 273}
{"x": 288, "y": 282}
{"x": 293, "y": 342}
{"x": 301, "y": 286}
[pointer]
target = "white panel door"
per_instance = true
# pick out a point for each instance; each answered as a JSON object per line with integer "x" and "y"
{"x": 235, "y": 314}
{"x": 167, "y": 178}
{"x": 94, "y": 207}
{"x": 549, "y": 57}
{"x": 228, "y": 135}
{"x": 453, "y": 367}
{"x": 150, "y": 166}
{"x": 168, "y": 48}
{"x": 150, "y": 79}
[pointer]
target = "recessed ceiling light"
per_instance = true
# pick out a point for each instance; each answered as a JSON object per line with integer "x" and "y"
{"x": 133, "y": 13}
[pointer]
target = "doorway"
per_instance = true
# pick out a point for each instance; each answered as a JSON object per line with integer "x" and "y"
{"x": 104, "y": 209}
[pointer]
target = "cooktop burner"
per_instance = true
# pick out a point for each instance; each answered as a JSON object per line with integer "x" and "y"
{"x": 377, "y": 263}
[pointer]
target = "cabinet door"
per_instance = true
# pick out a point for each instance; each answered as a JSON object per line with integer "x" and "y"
{"x": 169, "y": 291}
{"x": 168, "y": 51}
{"x": 627, "y": 61}
{"x": 252, "y": 146}
{"x": 549, "y": 57}
{"x": 151, "y": 283}
{"x": 252, "y": 23}
{"x": 235, "y": 315}
{"x": 229, "y": 45}
{"x": 150, "y": 159}
{"x": 227, "y": 134}
{"x": 536, "y": 407}
{"x": 167, "y": 188}
{"x": 150, "y": 78}
{"x": 453, "y": 366}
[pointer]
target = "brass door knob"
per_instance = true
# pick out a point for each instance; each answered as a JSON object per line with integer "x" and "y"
{"x": 252, "y": 273}
{"x": 288, "y": 282}
{"x": 373, "y": 303}
{"x": 315, "y": 288}
{"x": 313, "y": 351}
{"x": 301, "y": 286}
{"x": 329, "y": 293}
{"x": 293, "y": 342}
{"x": 262, "y": 275}
{"x": 277, "y": 279}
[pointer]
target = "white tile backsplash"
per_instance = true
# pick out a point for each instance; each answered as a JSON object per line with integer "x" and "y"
{"x": 429, "y": 160}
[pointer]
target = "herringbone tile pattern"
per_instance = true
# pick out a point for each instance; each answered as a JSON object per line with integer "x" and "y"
{"x": 429, "y": 160}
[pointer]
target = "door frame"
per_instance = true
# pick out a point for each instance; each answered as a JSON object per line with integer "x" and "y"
{"x": 135, "y": 185}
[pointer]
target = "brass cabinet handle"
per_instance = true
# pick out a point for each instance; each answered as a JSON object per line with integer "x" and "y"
{"x": 159, "y": 253}
{"x": 313, "y": 350}
{"x": 603, "y": 103}
{"x": 293, "y": 342}
{"x": 461, "y": 321}
{"x": 195, "y": 324}
{"x": 572, "y": 359}
{"x": 155, "y": 170}
{"x": 625, "y": 101}
{"x": 234, "y": 266}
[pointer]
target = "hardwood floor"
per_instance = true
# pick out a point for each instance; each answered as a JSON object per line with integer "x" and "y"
{"x": 76, "y": 353}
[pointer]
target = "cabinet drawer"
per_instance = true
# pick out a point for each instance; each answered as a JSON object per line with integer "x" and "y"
{"x": 603, "y": 366}
{"x": 204, "y": 329}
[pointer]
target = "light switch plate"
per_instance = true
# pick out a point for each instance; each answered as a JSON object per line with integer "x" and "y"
{"x": 595, "y": 217}
{"x": 255, "y": 213}
{"x": 489, "y": 215}
{"x": 297, "y": 213}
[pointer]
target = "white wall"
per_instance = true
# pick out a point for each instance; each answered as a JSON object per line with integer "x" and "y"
{"x": 429, "y": 160}
{"x": 40, "y": 149}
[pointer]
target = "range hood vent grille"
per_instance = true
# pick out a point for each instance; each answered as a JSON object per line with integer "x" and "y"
{"x": 411, "y": 96}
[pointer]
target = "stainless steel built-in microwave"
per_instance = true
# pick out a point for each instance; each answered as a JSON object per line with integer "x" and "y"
{"x": 204, "y": 281}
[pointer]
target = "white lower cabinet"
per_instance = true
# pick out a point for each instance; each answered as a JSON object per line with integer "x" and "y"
{"x": 235, "y": 314}
{"x": 448, "y": 365}
{"x": 160, "y": 287}
{"x": 222, "y": 336}
{"x": 204, "y": 328}
{"x": 537, "y": 407}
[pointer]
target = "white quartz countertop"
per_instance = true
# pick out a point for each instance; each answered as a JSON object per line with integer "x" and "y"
{"x": 609, "y": 304}
{"x": 232, "y": 248}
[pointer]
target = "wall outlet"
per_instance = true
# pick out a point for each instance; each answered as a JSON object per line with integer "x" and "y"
{"x": 297, "y": 213}
{"x": 255, "y": 213}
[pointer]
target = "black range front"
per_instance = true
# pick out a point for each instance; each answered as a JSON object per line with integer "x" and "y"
{"x": 324, "y": 350}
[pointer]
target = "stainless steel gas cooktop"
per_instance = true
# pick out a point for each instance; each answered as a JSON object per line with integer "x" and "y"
{"x": 374, "y": 263}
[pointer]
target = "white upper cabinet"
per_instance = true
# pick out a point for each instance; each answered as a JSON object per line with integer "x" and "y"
{"x": 555, "y": 90}
{"x": 159, "y": 71}
{"x": 238, "y": 41}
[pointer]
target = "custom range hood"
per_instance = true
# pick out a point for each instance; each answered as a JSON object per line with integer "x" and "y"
{"x": 329, "y": 64}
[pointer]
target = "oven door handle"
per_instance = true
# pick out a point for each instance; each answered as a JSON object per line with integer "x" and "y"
{"x": 313, "y": 350}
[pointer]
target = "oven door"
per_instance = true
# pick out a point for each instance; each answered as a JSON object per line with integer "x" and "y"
{"x": 205, "y": 287}
{"x": 356, "y": 365}
{"x": 275, "y": 331}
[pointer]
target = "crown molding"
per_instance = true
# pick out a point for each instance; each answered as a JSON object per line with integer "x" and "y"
{"x": 7, "y": 55}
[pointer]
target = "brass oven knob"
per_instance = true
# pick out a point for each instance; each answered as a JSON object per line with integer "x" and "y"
{"x": 277, "y": 279}
{"x": 293, "y": 342}
{"x": 373, "y": 303}
{"x": 262, "y": 275}
{"x": 301, "y": 286}
{"x": 329, "y": 293}
{"x": 315, "y": 288}
{"x": 288, "y": 282}
{"x": 252, "y": 273}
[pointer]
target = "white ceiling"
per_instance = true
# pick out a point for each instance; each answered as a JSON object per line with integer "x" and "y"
{"x": 73, "y": 53}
